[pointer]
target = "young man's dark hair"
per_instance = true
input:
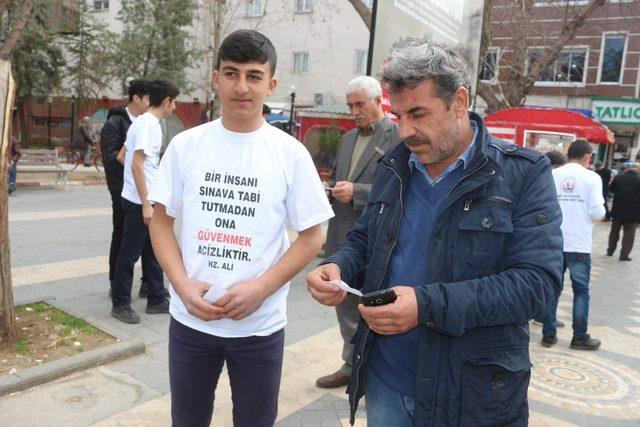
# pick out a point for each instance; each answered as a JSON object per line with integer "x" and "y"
{"x": 244, "y": 46}
{"x": 578, "y": 149}
{"x": 138, "y": 87}
{"x": 159, "y": 89}
{"x": 556, "y": 158}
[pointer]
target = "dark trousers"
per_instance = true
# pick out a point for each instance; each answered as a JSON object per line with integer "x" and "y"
{"x": 117, "y": 219}
{"x": 254, "y": 365}
{"x": 135, "y": 242}
{"x": 628, "y": 236}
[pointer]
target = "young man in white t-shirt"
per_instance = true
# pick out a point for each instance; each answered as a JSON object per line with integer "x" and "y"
{"x": 236, "y": 182}
{"x": 580, "y": 197}
{"x": 142, "y": 155}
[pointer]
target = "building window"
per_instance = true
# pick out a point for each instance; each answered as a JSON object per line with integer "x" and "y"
{"x": 254, "y": 8}
{"x": 612, "y": 57}
{"x": 300, "y": 62}
{"x": 304, "y": 6}
{"x": 40, "y": 121}
{"x": 368, "y": 3}
{"x": 569, "y": 68}
{"x": 360, "y": 65}
{"x": 489, "y": 70}
{"x": 101, "y": 4}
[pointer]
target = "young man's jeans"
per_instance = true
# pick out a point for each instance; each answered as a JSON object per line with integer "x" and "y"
{"x": 136, "y": 242}
{"x": 13, "y": 171}
{"x": 385, "y": 406}
{"x": 579, "y": 266}
{"x": 254, "y": 365}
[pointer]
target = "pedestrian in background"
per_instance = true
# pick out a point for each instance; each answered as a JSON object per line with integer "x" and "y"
{"x": 83, "y": 138}
{"x": 142, "y": 156}
{"x": 349, "y": 185}
{"x": 112, "y": 138}
{"x": 625, "y": 212}
{"x": 605, "y": 175}
{"x": 579, "y": 191}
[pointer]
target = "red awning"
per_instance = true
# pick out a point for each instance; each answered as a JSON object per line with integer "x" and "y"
{"x": 551, "y": 120}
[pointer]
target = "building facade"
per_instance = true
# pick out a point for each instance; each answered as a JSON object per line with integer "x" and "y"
{"x": 597, "y": 71}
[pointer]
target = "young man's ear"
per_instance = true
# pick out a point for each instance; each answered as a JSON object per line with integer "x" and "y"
{"x": 273, "y": 83}
{"x": 216, "y": 79}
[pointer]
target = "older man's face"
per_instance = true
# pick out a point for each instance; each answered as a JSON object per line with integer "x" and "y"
{"x": 428, "y": 126}
{"x": 366, "y": 111}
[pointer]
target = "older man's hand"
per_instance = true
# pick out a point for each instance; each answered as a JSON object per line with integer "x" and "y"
{"x": 395, "y": 318}
{"x": 322, "y": 291}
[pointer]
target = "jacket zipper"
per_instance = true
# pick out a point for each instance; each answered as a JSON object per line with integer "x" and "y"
{"x": 384, "y": 271}
{"x": 502, "y": 200}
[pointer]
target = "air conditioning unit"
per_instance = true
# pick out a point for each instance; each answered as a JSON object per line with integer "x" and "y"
{"x": 318, "y": 99}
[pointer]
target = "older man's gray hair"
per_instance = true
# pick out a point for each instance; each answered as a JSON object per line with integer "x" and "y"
{"x": 409, "y": 66}
{"x": 370, "y": 85}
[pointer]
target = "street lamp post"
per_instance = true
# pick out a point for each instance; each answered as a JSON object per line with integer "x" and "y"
{"x": 292, "y": 95}
{"x": 73, "y": 111}
{"x": 49, "y": 101}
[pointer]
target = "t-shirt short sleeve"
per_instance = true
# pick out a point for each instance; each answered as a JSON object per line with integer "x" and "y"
{"x": 307, "y": 203}
{"x": 169, "y": 183}
{"x": 146, "y": 138}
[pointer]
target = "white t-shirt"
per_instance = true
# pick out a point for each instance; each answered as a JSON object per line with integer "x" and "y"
{"x": 235, "y": 192}
{"x": 579, "y": 194}
{"x": 145, "y": 133}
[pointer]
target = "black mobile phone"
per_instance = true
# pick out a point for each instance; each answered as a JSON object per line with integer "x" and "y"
{"x": 382, "y": 297}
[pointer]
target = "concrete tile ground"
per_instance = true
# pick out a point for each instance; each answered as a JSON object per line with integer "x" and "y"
{"x": 59, "y": 247}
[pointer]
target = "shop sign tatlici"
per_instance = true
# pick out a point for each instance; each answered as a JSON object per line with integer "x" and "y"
{"x": 617, "y": 111}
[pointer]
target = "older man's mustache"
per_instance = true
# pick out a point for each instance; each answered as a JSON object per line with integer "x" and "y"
{"x": 417, "y": 140}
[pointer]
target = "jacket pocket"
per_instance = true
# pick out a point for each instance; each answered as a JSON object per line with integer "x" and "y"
{"x": 494, "y": 387}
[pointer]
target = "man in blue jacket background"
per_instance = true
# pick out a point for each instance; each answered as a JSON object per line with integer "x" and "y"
{"x": 465, "y": 228}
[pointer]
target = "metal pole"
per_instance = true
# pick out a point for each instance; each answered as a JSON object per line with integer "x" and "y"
{"x": 73, "y": 117}
{"x": 49, "y": 126}
{"x": 293, "y": 100}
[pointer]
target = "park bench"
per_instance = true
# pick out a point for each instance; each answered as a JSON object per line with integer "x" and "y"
{"x": 42, "y": 161}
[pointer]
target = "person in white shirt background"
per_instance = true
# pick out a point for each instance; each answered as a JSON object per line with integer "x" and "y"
{"x": 579, "y": 192}
{"x": 142, "y": 155}
{"x": 236, "y": 182}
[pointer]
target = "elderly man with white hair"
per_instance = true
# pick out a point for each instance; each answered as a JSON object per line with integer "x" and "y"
{"x": 351, "y": 176}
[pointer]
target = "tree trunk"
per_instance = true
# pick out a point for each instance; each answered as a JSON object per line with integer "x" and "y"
{"x": 363, "y": 11}
{"x": 8, "y": 326}
{"x": 18, "y": 26}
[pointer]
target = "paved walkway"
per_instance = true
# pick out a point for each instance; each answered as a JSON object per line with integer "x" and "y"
{"x": 59, "y": 242}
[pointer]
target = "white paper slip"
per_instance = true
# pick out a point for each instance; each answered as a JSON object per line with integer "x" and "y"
{"x": 214, "y": 294}
{"x": 345, "y": 287}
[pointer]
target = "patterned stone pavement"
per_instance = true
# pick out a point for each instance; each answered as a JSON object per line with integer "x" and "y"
{"x": 59, "y": 243}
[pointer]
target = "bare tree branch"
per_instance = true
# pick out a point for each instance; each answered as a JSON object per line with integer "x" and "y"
{"x": 18, "y": 27}
{"x": 363, "y": 11}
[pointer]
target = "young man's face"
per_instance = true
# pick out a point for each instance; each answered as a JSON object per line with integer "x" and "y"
{"x": 242, "y": 87}
{"x": 140, "y": 104}
{"x": 168, "y": 106}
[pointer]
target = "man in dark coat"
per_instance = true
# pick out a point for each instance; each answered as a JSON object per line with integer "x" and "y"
{"x": 465, "y": 229}
{"x": 625, "y": 212}
{"x": 83, "y": 138}
{"x": 605, "y": 175}
{"x": 112, "y": 137}
{"x": 351, "y": 176}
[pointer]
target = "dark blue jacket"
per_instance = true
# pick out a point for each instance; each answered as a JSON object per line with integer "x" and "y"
{"x": 494, "y": 263}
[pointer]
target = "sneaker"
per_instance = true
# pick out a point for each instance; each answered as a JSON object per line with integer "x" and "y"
{"x": 163, "y": 307}
{"x": 626, "y": 258}
{"x": 559, "y": 323}
{"x": 609, "y": 253}
{"x": 586, "y": 343}
{"x": 125, "y": 314}
{"x": 548, "y": 340}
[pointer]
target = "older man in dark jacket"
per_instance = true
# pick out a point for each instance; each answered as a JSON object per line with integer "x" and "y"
{"x": 465, "y": 229}
{"x": 112, "y": 137}
{"x": 625, "y": 212}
